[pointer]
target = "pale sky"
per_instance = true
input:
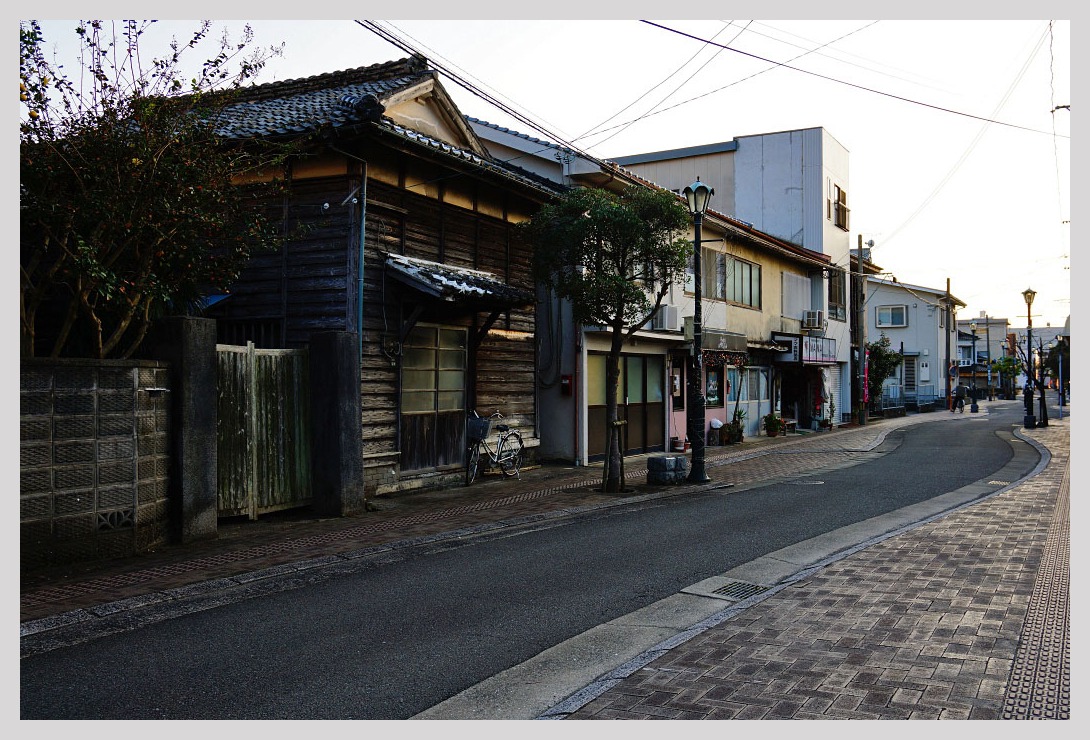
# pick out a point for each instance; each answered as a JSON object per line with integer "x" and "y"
{"x": 959, "y": 166}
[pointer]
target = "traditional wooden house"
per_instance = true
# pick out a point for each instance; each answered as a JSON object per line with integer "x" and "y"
{"x": 403, "y": 232}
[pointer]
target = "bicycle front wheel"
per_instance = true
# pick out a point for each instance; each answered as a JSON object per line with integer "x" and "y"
{"x": 473, "y": 462}
{"x": 509, "y": 455}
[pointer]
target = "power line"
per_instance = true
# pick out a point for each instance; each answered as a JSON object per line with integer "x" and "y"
{"x": 848, "y": 84}
{"x": 392, "y": 38}
{"x": 973, "y": 144}
{"x": 672, "y": 92}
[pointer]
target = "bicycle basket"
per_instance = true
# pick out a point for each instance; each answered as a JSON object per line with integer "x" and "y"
{"x": 478, "y": 429}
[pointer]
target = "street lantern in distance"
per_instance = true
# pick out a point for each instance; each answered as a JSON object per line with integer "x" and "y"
{"x": 1029, "y": 421}
{"x": 698, "y": 195}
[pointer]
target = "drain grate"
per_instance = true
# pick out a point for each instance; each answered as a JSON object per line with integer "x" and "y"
{"x": 739, "y": 590}
{"x": 999, "y": 483}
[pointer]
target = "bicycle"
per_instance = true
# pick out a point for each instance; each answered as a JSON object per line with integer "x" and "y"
{"x": 508, "y": 453}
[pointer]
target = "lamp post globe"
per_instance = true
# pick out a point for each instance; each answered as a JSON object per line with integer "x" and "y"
{"x": 1029, "y": 421}
{"x": 697, "y": 195}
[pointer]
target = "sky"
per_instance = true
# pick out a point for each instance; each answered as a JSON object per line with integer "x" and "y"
{"x": 958, "y": 136}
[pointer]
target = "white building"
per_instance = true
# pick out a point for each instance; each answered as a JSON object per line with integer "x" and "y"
{"x": 792, "y": 185}
{"x": 917, "y": 321}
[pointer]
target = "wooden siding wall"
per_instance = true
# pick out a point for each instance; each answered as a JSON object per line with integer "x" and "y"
{"x": 403, "y": 222}
{"x": 309, "y": 284}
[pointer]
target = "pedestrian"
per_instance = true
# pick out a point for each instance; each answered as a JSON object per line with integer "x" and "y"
{"x": 959, "y": 394}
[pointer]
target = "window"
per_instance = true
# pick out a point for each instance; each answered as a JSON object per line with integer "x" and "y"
{"x": 734, "y": 385}
{"x": 728, "y": 278}
{"x": 892, "y": 315}
{"x": 433, "y": 370}
{"x": 838, "y": 295}
{"x": 743, "y": 283}
{"x": 713, "y": 266}
{"x": 840, "y": 207}
{"x": 795, "y": 295}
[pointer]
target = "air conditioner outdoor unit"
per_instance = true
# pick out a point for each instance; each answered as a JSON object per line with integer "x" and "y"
{"x": 813, "y": 319}
{"x": 666, "y": 317}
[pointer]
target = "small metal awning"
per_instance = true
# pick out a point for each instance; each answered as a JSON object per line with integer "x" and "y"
{"x": 474, "y": 289}
{"x": 460, "y": 287}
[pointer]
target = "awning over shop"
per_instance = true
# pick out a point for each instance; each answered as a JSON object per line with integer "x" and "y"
{"x": 805, "y": 349}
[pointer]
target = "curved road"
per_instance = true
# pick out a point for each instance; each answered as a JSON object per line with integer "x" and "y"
{"x": 394, "y": 639}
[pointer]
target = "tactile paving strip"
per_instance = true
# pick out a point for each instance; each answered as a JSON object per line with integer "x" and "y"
{"x": 1040, "y": 682}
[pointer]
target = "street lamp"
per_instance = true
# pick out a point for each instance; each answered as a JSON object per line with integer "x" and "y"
{"x": 973, "y": 407}
{"x": 1029, "y": 421}
{"x": 1060, "y": 361}
{"x": 698, "y": 194}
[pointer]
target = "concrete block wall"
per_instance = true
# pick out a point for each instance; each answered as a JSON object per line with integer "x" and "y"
{"x": 94, "y": 452}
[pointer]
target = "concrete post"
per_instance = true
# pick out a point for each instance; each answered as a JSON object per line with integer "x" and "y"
{"x": 189, "y": 345}
{"x": 336, "y": 437}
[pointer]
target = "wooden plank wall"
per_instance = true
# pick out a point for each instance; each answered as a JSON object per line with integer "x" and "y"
{"x": 305, "y": 286}
{"x": 405, "y": 223}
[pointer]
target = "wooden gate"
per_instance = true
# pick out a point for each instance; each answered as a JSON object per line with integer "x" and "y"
{"x": 263, "y": 434}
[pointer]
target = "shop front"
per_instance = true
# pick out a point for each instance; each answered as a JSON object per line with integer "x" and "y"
{"x": 808, "y": 370}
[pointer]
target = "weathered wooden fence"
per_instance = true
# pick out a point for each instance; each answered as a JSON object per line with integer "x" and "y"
{"x": 263, "y": 436}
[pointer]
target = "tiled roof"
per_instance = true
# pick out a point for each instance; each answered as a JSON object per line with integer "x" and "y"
{"x": 345, "y": 100}
{"x": 455, "y": 284}
{"x": 334, "y": 99}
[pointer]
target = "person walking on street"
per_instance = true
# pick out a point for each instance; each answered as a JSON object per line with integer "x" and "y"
{"x": 960, "y": 399}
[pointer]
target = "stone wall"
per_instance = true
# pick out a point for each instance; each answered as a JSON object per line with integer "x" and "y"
{"x": 94, "y": 452}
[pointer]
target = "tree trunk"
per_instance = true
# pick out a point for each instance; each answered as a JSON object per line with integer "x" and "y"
{"x": 612, "y": 481}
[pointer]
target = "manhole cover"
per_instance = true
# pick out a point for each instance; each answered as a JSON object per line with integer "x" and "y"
{"x": 739, "y": 590}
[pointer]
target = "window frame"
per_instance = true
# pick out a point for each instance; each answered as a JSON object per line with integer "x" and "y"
{"x": 890, "y": 324}
{"x": 838, "y": 294}
{"x": 744, "y": 276}
{"x": 841, "y": 212}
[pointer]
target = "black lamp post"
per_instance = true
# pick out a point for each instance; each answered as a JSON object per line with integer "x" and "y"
{"x": 698, "y": 194}
{"x": 973, "y": 407}
{"x": 1029, "y": 421}
{"x": 1060, "y": 362}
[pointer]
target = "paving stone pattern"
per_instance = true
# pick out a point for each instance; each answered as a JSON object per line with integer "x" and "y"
{"x": 962, "y": 618}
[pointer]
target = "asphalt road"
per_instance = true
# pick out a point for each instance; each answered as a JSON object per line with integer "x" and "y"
{"x": 394, "y": 639}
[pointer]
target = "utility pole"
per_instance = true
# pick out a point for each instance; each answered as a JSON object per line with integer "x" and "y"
{"x": 859, "y": 292}
{"x": 988, "y": 344}
{"x": 949, "y": 325}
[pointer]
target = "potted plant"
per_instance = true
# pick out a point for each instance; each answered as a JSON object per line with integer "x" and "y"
{"x": 774, "y": 425}
{"x": 827, "y": 423}
{"x": 734, "y": 428}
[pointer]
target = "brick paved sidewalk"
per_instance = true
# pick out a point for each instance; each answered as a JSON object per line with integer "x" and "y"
{"x": 966, "y": 617}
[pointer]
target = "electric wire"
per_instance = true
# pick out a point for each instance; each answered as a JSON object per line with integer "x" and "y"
{"x": 848, "y": 84}
{"x": 973, "y": 144}
{"x": 624, "y": 127}
{"x": 469, "y": 87}
{"x": 654, "y": 112}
